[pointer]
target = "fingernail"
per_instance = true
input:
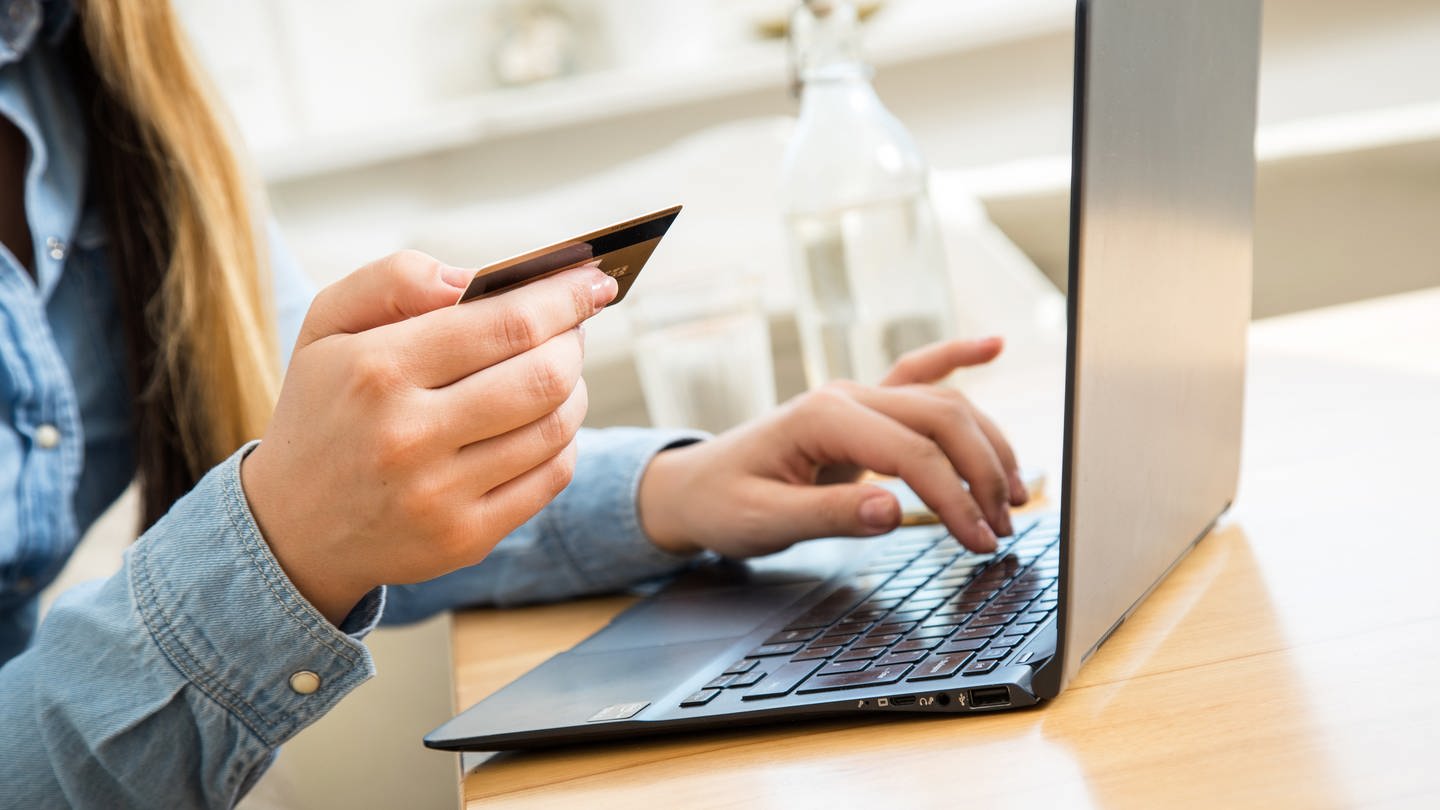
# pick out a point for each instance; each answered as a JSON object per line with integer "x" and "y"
{"x": 988, "y": 541}
{"x": 879, "y": 513}
{"x": 603, "y": 289}
{"x": 457, "y": 277}
{"x": 1018, "y": 493}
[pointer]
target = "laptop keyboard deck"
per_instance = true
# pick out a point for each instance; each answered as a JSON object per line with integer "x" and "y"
{"x": 924, "y": 609}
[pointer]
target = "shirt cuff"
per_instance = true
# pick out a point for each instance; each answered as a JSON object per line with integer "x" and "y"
{"x": 222, "y": 610}
{"x": 598, "y": 526}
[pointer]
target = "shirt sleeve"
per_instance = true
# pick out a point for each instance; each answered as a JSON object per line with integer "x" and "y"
{"x": 588, "y": 540}
{"x": 172, "y": 683}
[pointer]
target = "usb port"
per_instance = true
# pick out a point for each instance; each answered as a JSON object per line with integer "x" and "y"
{"x": 989, "y": 697}
{"x": 904, "y": 700}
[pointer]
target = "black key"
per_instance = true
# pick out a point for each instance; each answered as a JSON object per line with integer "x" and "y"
{"x": 941, "y": 666}
{"x": 743, "y": 665}
{"x": 782, "y": 680}
{"x": 916, "y": 644}
{"x": 1019, "y": 629}
{"x": 833, "y": 641}
{"x": 874, "y": 676}
{"x": 774, "y": 649}
{"x": 943, "y": 620}
{"x": 865, "y": 615}
{"x": 896, "y": 627}
{"x": 848, "y": 627}
{"x": 907, "y": 615}
{"x": 937, "y": 631}
{"x": 1034, "y": 616}
{"x": 860, "y": 655}
{"x": 907, "y": 657}
{"x": 814, "y": 653}
{"x": 980, "y": 622}
{"x": 876, "y": 641}
{"x": 923, "y": 605}
{"x": 747, "y": 679}
{"x": 1023, "y": 593}
{"x": 960, "y": 645}
{"x": 996, "y": 612}
{"x": 840, "y": 667}
{"x": 980, "y": 667}
{"x": 893, "y": 593}
{"x": 787, "y": 636}
{"x": 1005, "y": 642}
{"x": 983, "y": 621}
{"x": 934, "y": 591}
{"x": 832, "y": 607}
{"x": 719, "y": 682}
{"x": 700, "y": 698}
{"x": 992, "y": 653}
{"x": 977, "y": 632}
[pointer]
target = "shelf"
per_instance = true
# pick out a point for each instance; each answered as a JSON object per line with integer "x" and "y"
{"x": 1290, "y": 140}
{"x": 903, "y": 33}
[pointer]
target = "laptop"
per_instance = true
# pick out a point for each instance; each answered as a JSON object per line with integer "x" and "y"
{"x": 1161, "y": 218}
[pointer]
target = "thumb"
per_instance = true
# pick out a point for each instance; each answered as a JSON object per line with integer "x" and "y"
{"x": 399, "y": 286}
{"x": 932, "y": 363}
{"x": 852, "y": 510}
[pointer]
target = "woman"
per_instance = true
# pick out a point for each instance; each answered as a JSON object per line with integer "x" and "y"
{"x": 410, "y": 438}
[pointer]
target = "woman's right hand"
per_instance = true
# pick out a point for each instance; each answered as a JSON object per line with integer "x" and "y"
{"x": 411, "y": 435}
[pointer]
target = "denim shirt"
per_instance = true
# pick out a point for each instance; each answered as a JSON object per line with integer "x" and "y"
{"x": 172, "y": 682}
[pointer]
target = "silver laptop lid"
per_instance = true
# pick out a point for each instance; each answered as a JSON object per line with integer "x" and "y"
{"x": 1160, "y": 261}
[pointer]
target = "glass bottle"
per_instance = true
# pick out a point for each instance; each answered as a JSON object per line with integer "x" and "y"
{"x": 870, "y": 268}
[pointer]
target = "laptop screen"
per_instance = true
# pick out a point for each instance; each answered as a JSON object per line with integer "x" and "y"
{"x": 1160, "y": 266}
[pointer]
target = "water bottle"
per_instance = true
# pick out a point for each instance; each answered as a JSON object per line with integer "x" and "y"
{"x": 871, "y": 274}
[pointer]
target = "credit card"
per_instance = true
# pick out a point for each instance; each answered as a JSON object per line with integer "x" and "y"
{"x": 620, "y": 251}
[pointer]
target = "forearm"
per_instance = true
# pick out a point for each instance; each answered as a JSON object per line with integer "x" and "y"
{"x": 171, "y": 683}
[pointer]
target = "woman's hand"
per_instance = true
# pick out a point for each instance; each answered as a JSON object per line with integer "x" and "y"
{"x": 753, "y": 490}
{"x": 412, "y": 435}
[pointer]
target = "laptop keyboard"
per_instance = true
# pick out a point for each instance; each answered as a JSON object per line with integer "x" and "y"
{"x": 925, "y": 609}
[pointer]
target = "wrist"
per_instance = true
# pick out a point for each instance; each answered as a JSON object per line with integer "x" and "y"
{"x": 660, "y": 501}
{"x": 304, "y": 564}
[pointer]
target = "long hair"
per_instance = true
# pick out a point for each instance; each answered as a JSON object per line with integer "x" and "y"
{"x": 186, "y": 249}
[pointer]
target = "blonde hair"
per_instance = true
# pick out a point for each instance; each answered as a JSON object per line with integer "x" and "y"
{"x": 187, "y": 241}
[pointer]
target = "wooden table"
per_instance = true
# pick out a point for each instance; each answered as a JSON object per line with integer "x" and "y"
{"x": 1290, "y": 661}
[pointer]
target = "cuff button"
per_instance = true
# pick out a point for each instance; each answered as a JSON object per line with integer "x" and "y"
{"x": 304, "y": 682}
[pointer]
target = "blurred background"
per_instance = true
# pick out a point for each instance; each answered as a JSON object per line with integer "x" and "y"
{"x": 475, "y": 129}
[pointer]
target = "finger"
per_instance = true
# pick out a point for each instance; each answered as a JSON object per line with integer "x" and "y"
{"x": 950, "y": 422}
{"x": 452, "y": 343}
{"x": 1019, "y": 494}
{"x": 932, "y": 363}
{"x": 487, "y": 464}
{"x": 800, "y": 512}
{"x": 513, "y": 392}
{"x": 399, "y": 286}
{"x": 501, "y": 510}
{"x": 829, "y": 427}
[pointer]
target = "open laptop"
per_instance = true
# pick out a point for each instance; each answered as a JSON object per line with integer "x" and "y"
{"x": 1159, "y": 302}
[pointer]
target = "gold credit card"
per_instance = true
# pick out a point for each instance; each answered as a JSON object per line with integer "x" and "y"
{"x": 620, "y": 251}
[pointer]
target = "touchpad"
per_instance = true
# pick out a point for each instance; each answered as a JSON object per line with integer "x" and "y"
{"x": 670, "y": 618}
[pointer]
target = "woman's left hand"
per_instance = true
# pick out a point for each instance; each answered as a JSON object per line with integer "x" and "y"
{"x": 754, "y": 489}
